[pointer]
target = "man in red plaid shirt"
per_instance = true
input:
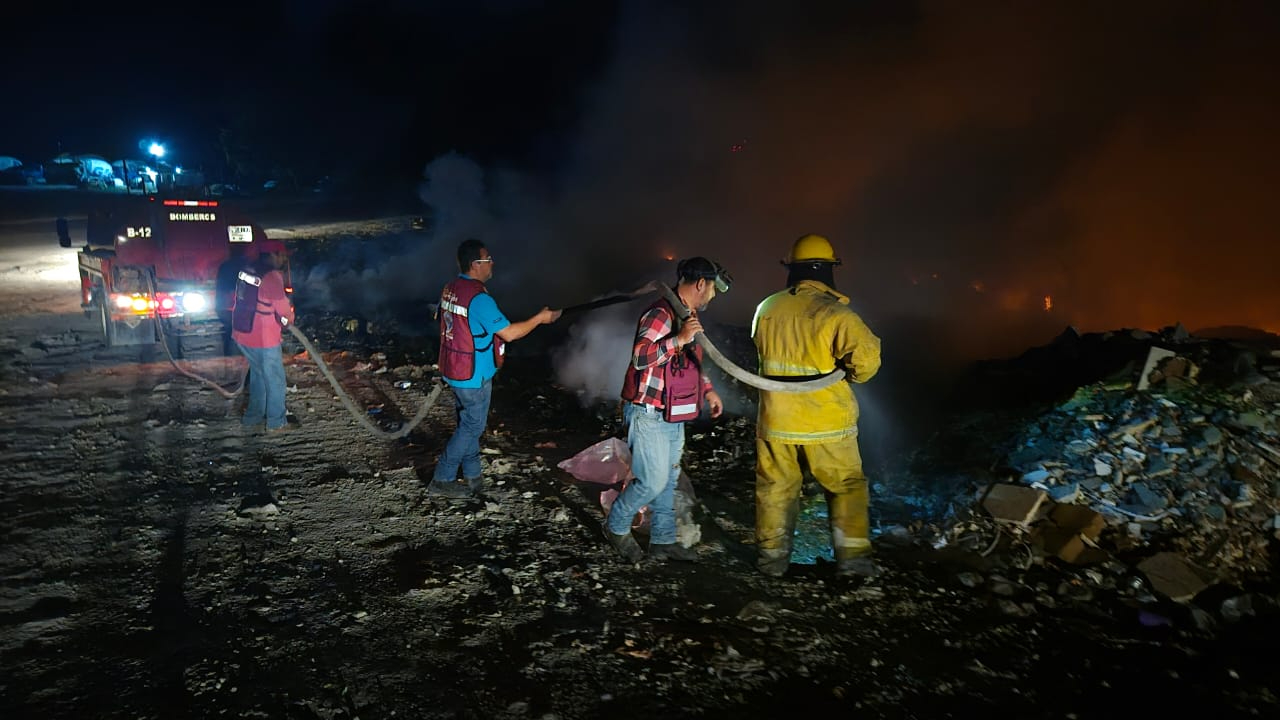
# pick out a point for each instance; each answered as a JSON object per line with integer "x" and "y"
{"x": 664, "y": 387}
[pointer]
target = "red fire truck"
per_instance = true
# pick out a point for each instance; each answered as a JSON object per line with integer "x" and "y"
{"x": 149, "y": 260}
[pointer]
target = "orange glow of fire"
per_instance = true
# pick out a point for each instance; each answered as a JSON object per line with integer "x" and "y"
{"x": 1013, "y": 300}
{"x": 1048, "y": 303}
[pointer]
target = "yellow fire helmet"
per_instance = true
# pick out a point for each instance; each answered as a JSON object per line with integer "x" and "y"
{"x": 812, "y": 249}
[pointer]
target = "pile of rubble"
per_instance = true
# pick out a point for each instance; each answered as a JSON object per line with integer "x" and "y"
{"x": 1170, "y": 473}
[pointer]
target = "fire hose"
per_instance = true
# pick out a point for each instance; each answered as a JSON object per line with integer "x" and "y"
{"x": 342, "y": 394}
{"x": 725, "y": 364}
{"x": 350, "y": 405}
{"x": 742, "y": 376}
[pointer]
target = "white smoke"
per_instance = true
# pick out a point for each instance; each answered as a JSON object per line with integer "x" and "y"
{"x": 593, "y": 360}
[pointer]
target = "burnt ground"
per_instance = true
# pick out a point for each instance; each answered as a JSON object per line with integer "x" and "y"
{"x": 158, "y": 562}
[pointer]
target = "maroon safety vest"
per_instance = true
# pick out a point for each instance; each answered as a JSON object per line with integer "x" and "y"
{"x": 681, "y": 377}
{"x": 245, "y": 304}
{"x": 457, "y": 345}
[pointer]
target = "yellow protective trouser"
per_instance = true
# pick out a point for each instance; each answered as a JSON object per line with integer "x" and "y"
{"x": 838, "y": 468}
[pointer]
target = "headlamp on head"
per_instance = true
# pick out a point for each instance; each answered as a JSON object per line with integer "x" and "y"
{"x": 699, "y": 268}
{"x": 723, "y": 279}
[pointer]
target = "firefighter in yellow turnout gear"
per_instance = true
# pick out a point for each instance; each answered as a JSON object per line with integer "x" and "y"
{"x": 803, "y": 332}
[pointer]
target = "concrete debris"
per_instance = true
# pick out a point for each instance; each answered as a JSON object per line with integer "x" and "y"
{"x": 1172, "y": 576}
{"x": 1151, "y": 476}
{"x": 1014, "y": 503}
{"x": 1166, "y": 366}
{"x": 1070, "y": 533}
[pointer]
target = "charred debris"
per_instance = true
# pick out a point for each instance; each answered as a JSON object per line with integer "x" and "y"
{"x": 1140, "y": 466}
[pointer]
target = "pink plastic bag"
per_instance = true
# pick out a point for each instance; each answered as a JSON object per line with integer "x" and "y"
{"x": 608, "y": 462}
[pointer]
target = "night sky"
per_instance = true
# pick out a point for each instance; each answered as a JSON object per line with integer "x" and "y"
{"x": 373, "y": 86}
{"x": 971, "y": 161}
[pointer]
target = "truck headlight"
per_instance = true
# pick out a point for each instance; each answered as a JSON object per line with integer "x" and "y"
{"x": 193, "y": 302}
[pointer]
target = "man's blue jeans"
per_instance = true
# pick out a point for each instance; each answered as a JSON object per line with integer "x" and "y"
{"x": 463, "y": 449}
{"x": 266, "y": 387}
{"x": 656, "y": 447}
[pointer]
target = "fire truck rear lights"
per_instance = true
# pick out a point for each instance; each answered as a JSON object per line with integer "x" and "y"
{"x": 191, "y": 203}
{"x": 138, "y": 304}
{"x": 167, "y": 303}
{"x": 194, "y": 302}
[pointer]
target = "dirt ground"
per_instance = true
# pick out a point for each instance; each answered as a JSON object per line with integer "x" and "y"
{"x": 157, "y": 561}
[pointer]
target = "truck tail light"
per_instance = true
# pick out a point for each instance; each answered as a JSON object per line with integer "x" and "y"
{"x": 137, "y": 303}
{"x": 165, "y": 304}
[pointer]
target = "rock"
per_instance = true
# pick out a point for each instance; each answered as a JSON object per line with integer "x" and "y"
{"x": 1014, "y": 609}
{"x": 1250, "y": 420}
{"x": 1203, "y": 620}
{"x": 1036, "y": 476}
{"x": 1147, "y": 499}
{"x": 1173, "y": 576}
{"x": 1237, "y": 608}
{"x": 1216, "y": 513}
{"x": 1002, "y": 586}
{"x": 897, "y": 536}
{"x": 1014, "y": 503}
{"x": 1212, "y": 435}
{"x": 756, "y": 610}
{"x": 1068, "y": 493}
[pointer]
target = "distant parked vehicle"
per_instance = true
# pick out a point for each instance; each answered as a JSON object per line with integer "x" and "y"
{"x": 136, "y": 175}
{"x": 82, "y": 170}
{"x": 13, "y": 172}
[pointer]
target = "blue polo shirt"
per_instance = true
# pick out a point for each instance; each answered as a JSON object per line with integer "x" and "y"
{"x": 484, "y": 317}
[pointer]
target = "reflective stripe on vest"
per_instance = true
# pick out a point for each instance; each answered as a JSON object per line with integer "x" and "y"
{"x": 453, "y": 308}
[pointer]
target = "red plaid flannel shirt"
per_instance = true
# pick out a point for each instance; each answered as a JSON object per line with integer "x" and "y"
{"x": 655, "y": 345}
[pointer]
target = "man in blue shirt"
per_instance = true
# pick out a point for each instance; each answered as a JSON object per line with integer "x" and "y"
{"x": 473, "y": 332}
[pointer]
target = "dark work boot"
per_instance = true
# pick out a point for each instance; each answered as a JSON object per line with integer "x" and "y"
{"x": 672, "y": 551}
{"x": 774, "y": 563}
{"x": 626, "y": 546}
{"x": 454, "y": 490}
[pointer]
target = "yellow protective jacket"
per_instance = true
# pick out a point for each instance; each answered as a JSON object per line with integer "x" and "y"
{"x": 804, "y": 331}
